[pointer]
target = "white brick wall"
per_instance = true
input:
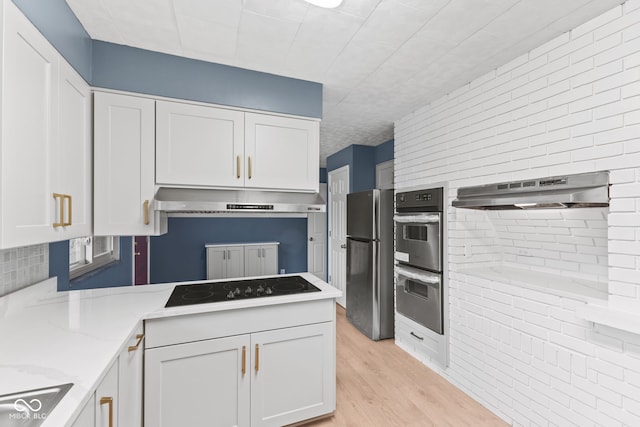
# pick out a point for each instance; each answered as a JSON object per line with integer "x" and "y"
{"x": 569, "y": 106}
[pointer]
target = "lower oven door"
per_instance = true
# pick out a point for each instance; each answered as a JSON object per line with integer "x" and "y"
{"x": 419, "y": 296}
{"x": 418, "y": 239}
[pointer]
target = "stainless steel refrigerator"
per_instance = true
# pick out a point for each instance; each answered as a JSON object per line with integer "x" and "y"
{"x": 370, "y": 262}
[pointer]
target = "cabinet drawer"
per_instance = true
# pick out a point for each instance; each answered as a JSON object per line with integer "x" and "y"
{"x": 202, "y": 326}
{"x": 419, "y": 341}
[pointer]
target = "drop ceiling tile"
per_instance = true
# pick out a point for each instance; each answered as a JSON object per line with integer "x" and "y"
{"x": 146, "y": 13}
{"x": 225, "y": 12}
{"x": 198, "y": 35}
{"x": 290, "y": 10}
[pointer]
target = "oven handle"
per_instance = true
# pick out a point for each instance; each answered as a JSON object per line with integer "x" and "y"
{"x": 421, "y": 218}
{"x": 419, "y": 276}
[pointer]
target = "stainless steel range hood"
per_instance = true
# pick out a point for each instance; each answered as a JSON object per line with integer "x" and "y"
{"x": 187, "y": 200}
{"x": 567, "y": 191}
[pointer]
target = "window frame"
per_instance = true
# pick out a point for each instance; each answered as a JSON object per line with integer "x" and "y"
{"x": 95, "y": 262}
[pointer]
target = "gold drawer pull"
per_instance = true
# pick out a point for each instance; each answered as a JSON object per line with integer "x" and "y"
{"x": 257, "y": 357}
{"x": 146, "y": 212}
{"x": 61, "y": 212}
{"x": 68, "y": 197}
{"x": 139, "y": 337}
{"x": 250, "y": 168}
{"x": 238, "y": 167}
{"x": 244, "y": 359}
{"x": 108, "y": 401}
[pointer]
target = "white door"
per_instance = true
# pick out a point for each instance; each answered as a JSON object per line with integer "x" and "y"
{"x": 198, "y": 384}
{"x": 270, "y": 259}
{"x": 198, "y": 145}
{"x": 281, "y": 152}
{"x": 252, "y": 260}
{"x": 73, "y": 154}
{"x": 235, "y": 262}
{"x": 130, "y": 381}
{"x": 384, "y": 175}
{"x": 317, "y": 241}
{"x": 293, "y": 374}
{"x": 124, "y": 147}
{"x": 29, "y": 119}
{"x": 338, "y": 190}
{"x": 216, "y": 260}
{"x": 107, "y": 399}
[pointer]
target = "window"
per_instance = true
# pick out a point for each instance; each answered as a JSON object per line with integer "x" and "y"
{"x": 89, "y": 253}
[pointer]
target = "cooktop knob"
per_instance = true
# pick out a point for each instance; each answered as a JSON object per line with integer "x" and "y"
{"x": 237, "y": 291}
{"x": 231, "y": 295}
{"x": 268, "y": 291}
{"x": 260, "y": 290}
{"x": 248, "y": 291}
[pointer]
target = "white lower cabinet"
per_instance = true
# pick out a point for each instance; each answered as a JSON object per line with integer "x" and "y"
{"x": 241, "y": 260}
{"x": 117, "y": 401}
{"x": 273, "y": 377}
{"x": 87, "y": 417}
{"x": 224, "y": 262}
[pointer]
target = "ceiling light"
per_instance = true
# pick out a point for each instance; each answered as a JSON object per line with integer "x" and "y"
{"x": 328, "y": 4}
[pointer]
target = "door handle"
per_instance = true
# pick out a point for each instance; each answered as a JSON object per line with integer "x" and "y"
{"x": 257, "y": 357}
{"x": 343, "y": 246}
{"x": 250, "y": 168}
{"x": 139, "y": 337}
{"x": 146, "y": 212}
{"x": 61, "y": 211}
{"x": 67, "y": 197}
{"x": 244, "y": 359}
{"x": 108, "y": 401}
{"x": 238, "y": 167}
{"x": 311, "y": 239}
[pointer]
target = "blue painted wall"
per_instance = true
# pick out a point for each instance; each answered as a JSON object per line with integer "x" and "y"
{"x": 117, "y": 274}
{"x": 323, "y": 175}
{"x": 138, "y": 70}
{"x": 362, "y": 161}
{"x": 59, "y": 25}
{"x": 180, "y": 255}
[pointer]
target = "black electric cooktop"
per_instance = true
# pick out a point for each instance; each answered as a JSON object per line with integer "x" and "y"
{"x": 203, "y": 293}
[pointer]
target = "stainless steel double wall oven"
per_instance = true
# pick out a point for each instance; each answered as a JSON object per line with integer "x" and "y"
{"x": 419, "y": 218}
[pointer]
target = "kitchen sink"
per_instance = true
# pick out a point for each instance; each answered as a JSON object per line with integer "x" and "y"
{"x": 30, "y": 408}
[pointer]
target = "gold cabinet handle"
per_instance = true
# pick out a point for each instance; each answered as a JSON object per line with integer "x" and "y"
{"x": 68, "y": 197}
{"x": 146, "y": 212}
{"x": 250, "y": 168}
{"x": 238, "y": 167}
{"x": 257, "y": 357}
{"x": 244, "y": 359}
{"x": 108, "y": 401}
{"x": 139, "y": 337}
{"x": 61, "y": 211}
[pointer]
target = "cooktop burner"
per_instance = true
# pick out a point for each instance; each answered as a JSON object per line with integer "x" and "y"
{"x": 238, "y": 289}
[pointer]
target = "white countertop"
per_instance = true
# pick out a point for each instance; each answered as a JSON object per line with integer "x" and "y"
{"x": 50, "y": 338}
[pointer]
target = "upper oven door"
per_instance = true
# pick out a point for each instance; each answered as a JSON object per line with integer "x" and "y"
{"x": 419, "y": 240}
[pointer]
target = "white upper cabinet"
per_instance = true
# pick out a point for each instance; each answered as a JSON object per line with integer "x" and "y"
{"x": 45, "y": 143}
{"x": 73, "y": 155}
{"x": 282, "y": 152}
{"x": 124, "y": 138}
{"x": 203, "y": 146}
{"x": 199, "y": 146}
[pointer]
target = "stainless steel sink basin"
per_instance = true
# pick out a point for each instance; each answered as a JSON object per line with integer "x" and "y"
{"x": 30, "y": 408}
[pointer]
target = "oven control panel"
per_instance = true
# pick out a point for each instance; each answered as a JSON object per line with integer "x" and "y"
{"x": 429, "y": 200}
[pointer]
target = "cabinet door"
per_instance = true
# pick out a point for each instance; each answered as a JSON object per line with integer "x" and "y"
{"x": 124, "y": 138}
{"x": 269, "y": 259}
{"x": 252, "y": 260}
{"x": 199, "y": 145}
{"x": 130, "y": 381}
{"x": 235, "y": 262}
{"x": 216, "y": 262}
{"x": 87, "y": 417}
{"x": 107, "y": 399}
{"x": 73, "y": 154}
{"x": 203, "y": 383}
{"x": 281, "y": 152}
{"x": 293, "y": 374}
{"x": 29, "y": 98}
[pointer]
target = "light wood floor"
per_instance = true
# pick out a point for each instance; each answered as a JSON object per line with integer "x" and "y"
{"x": 379, "y": 384}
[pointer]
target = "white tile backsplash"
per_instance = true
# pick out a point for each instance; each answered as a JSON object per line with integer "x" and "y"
{"x": 21, "y": 267}
{"x": 570, "y": 106}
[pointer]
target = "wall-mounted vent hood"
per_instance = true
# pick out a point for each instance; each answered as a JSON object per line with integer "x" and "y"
{"x": 187, "y": 200}
{"x": 586, "y": 190}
